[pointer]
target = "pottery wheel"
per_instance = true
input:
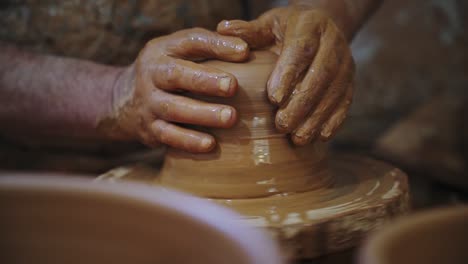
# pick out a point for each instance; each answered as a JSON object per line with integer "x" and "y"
{"x": 365, "y": 194}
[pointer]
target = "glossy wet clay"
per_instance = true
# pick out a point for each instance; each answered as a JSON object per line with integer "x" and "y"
{"x": 313, "y": 202}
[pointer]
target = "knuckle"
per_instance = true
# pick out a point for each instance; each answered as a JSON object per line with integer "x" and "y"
{"x": 160, "y": 130}
{"x": 164, "y": 110}
{"x": 198, "y": 78}
{"x": 161, "y": 108}
{"x": 314, "y": 13}
{"x": 151, "y": 48}
{"x": 197, "y": 34}
{"x": 244, "y": 28}
{"x": 303, "y": 48}
{"x": 164, "y": 133}
{"x": 168, "y": 75}
{"x": 336, "y": 32}
{"x": 151, "y": 44}
{"x": 149, "y": 54}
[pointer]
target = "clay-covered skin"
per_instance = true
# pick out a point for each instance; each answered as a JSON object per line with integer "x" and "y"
{"x": 147, "y": 102}
{"x": 312, "y": 83}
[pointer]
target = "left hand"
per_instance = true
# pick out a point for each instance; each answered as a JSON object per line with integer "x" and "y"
{"x": 312, "y": 82}
{"x": 147, "y": 104}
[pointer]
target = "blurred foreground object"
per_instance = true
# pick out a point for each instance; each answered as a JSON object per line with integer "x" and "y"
{"x": 437, "y": 236}
{"x": 63, "y": 219}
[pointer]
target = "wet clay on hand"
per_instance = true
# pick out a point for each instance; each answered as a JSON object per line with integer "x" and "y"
{"x": 147, "y": 102}
{"x": 312, "y": 82}
{"x": 312, "y": 203}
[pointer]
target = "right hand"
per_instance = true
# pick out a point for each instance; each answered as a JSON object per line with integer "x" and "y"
{"x": 313, "y": 80}
{"x": 145, "y": 105}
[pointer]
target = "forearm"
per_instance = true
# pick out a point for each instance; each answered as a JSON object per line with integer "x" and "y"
{"x": 349, "y": 15}
{"x": 50, "y": 95}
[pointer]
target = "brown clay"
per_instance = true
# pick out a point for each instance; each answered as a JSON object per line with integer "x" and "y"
{"x": 252, "y": 159}
{"x": 311, "y": 203}
{"x": 436, "y": 236}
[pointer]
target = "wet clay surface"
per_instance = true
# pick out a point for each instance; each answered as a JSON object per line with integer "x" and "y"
{"x": 252, "y": 158}
{"x": 311, "y": 203}
{"x": 363, "y": 196}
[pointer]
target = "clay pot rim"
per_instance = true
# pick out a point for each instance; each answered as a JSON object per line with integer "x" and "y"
{"x": 375, "y": 247}
{"x": 257, "y": 246}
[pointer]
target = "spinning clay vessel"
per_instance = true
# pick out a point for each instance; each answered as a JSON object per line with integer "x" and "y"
{"x": 312, "y": 202}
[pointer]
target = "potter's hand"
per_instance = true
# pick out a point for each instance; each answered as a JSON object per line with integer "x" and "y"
{"x": 146, "y": 104}
{"x": 312, "y": 82}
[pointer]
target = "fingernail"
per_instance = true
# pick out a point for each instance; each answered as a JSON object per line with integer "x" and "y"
{"x": 277, "y": 98}
{"x": 281, "y": 122}
{"x": 326, "y": 133}
{"x": 206, "y": 143}
{"x": 225, "y": 23}
{"x": 225, "y": 115}
{"x": 299, "y": 140}
{"x": 241, "y": 47}
{"x": 224, "y": 84}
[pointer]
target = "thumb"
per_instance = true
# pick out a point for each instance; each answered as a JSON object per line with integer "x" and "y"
{"x": 256, "y": 33}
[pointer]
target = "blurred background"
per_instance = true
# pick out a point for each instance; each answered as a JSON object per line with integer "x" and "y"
{"x": 410, "y": 107}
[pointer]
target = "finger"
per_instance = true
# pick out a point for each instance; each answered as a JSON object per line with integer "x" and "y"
{"x": 318, "y": 78}
{"x": 257, "y": 33}
{"x": 180, "y": 109}
{"x": 198, "y": 43}
{"x": 175, "y": 74}
{"x": 181, "y": 138}
{"x": 300, "y": 47}
{"x": 337, "y": 118}
{"x": 312, "y": 126}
